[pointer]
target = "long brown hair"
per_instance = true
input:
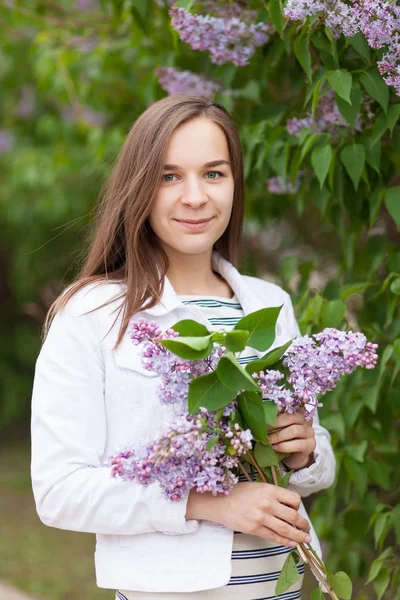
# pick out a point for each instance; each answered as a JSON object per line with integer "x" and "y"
{"x": 124, "y": 247}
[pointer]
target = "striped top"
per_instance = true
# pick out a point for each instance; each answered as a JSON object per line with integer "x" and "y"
{"x": 256, "y": 562}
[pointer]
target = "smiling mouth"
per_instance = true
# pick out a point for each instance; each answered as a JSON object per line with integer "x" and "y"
{"x": 193, "y": 222}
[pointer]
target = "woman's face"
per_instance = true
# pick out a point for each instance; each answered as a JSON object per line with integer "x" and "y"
{"x": 194, "y": 201}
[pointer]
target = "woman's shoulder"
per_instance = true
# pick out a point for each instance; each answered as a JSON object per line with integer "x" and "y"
{"x": 102, "y": 296}
{"x": 263, "y": 286}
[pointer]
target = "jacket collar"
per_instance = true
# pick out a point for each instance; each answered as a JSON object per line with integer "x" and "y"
{"x": 248, "y": 299}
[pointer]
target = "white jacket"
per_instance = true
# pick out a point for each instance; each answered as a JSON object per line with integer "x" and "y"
{"x": 88, "y": 400}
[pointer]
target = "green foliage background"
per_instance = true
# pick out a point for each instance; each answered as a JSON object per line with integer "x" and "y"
{"x": 334, "y": 244}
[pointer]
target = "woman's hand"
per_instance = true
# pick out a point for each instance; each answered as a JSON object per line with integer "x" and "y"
{"x": 296, "y": 437}
{"x": 261, "y": 509}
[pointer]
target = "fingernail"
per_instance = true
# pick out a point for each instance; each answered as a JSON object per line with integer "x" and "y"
{"x": 308, "y": 539}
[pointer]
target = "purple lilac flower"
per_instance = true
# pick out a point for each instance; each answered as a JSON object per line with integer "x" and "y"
{"x": 176, "y": 373}
{"x": 85, "y": 114}
{"x": 227, "y": 39}
{"x": 328, "y": 117}
{"x": 378, "y": 20}
{"x": 283, "y": 398}
{"x": 174, "y": 81}
{"x": 25, "y": 107}
{"x": 277, "y": 186}
{"x": 87, "y": 5}
{"x": 315, "y": 366}
{"x": 180, "y": 459}
{"x": 6, "y": 141}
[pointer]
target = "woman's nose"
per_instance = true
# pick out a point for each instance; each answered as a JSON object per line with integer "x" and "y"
{"x": 194, "y": 193}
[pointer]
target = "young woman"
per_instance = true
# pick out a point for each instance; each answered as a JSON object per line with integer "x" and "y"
{"x": 165, "y": 247}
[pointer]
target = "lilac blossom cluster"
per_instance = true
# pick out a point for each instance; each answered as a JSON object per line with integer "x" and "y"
{"x": 194, "y": 452}
{"x": 7, "y": 140}
{"x": 378, "y": 20}
{"x": 328, "y": 117}
{"x": 227, "y": 39}
{"x": 174, "y": 81}
{"x": 315, "y": 366}
{"x": 176, "y": 373}
{"x": 276, "y": 185}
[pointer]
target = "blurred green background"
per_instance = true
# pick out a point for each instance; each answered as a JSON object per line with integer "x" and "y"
{"x": 322, "y": 220}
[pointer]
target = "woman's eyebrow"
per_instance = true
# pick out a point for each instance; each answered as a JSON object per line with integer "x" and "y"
{"x": 212, "y": 163}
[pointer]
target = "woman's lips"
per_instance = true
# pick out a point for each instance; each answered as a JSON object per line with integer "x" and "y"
{"x": 196, "y": 226}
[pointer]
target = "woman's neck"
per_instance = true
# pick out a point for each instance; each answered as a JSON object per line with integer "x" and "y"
{"x": 192, "y": 274}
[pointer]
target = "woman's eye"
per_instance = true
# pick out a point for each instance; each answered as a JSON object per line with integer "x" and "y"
{"x": 215, "y": 173}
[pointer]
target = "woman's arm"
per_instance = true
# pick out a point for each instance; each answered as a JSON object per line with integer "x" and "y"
{"x": 72, "y": 488}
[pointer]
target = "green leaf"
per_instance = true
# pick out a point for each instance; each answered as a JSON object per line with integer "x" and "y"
{"x": 353, "y": 158}
{"x": 357, "y": 451}
{"x": 333, "y": 313}
{"x": 303, "y": 54}
{"x": 251, "y": 91}
{"x": 321, "y": 158}
{"x": 393, "y": 116}
{"x": 357, "y": 474}
{"x": 359, "y": 43}
{"x": 342, "y": 585}
{"x": 261, "y": 325}
{"x": 381, "y": 582}
{"x": 188, "y": 327}
{"x": 190, "y": 348}
{"x": 375, "y": 203}
{"x": 374, "y": 156}
{"x": 270, "y": 358}
{"x": 233, "y": 375}
{"x": 236, "y": 341}
{"x": 377, "y": 564}
{"x": 348, "y": 289}
{"x": 341, "y": 81}
{"x": 270, "y": 411}
{"x": 351, "y": 111}
{"x": 308, "y": 144}
{"x": 186, "y": 4}
{"x": 317, "y": 594}
{"x": 140, "y": 12}
{"x": 376, "y": 87}
{"x": 392, "y": 201}
{"x": 289, "y": 574}
{"x": 378, "y": 129}
{"x": 276, "y": 14}
{"x": 212, "y": 442}
{"x": 265, "y": 455}
{"x": 252, "y": 410}
{"x": 379, "y": 527}
{"x": 395, "y": 287}
{"x": 209, "y": 391}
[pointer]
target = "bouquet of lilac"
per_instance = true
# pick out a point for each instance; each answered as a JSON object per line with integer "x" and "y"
{"x": 223, "y": 409}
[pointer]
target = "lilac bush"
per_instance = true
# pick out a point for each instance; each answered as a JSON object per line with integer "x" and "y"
{"x": 175, "y": 81}
{"x": 377, "y": 20}
{"x": 227, "y": 39}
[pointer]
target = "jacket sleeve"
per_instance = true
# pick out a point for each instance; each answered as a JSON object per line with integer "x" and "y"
{"x": 72, "y": 488}
{"x": 321, "y": 474}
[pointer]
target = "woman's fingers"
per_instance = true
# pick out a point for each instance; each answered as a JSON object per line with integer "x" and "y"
{"x": 306, "y": 446}
{"x": 291, "y": 516}
{"x": 271, "y": 536}
{"x": 285, "y": 419}
{"x": 291, "y": 432}
{"x": 287, "y": 531}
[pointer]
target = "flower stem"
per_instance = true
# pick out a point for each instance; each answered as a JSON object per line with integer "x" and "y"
{"x": 308, "y": 555}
